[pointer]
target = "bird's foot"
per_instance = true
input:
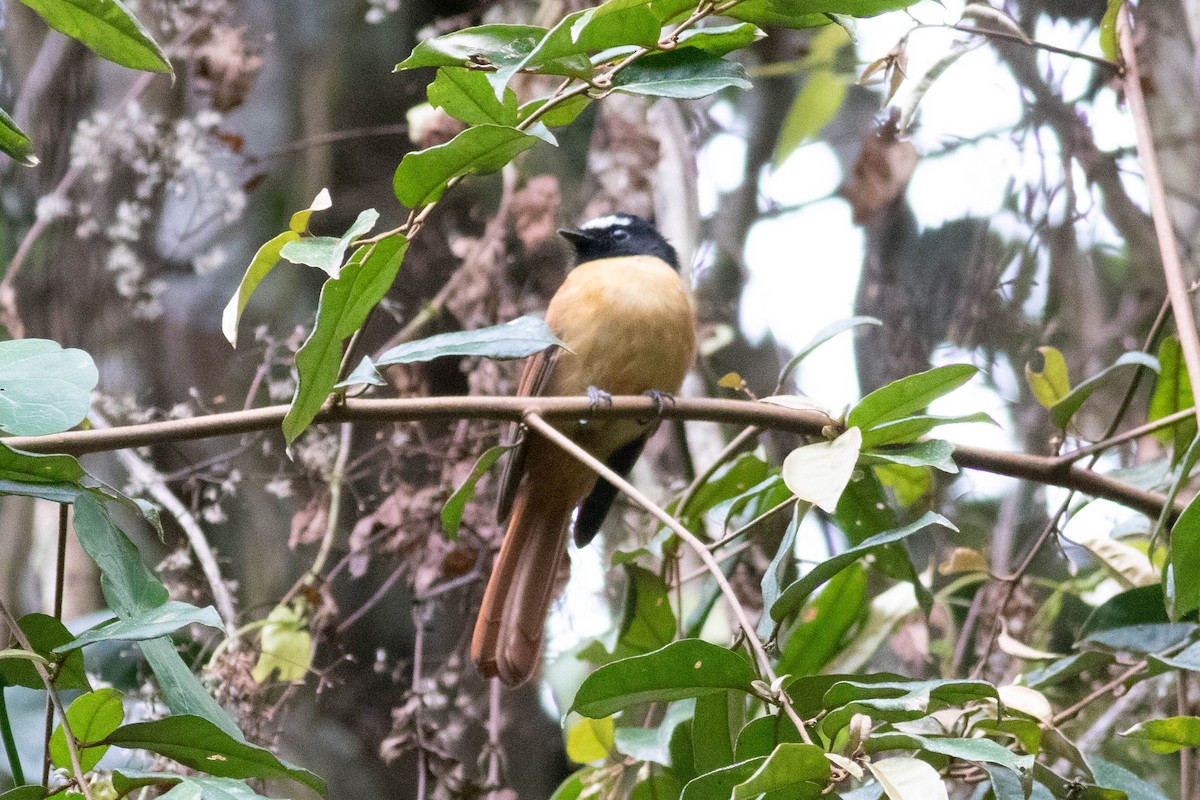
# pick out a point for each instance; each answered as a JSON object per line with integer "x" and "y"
{"x": 598, "y": 398}
{"x": 661, "y": 401}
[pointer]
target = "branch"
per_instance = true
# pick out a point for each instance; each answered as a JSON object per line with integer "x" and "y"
{"x": 1047, "y": 470}
{"x": 1177, "y": 284}
{"x": 535, "y": 421}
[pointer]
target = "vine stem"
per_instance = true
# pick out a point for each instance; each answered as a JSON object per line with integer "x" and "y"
{"x": 10, "y": 744}
{"x": 72, "y": 744}
{"x": 535, "y": 421}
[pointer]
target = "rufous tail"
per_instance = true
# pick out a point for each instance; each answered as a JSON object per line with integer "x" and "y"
{"x": 507, "y": 642}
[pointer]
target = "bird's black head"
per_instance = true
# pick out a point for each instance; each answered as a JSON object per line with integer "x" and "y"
{"x": 618, "y": 235}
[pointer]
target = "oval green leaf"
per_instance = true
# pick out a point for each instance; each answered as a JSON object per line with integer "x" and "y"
{"x": 908, "y": 395}
{"x": 44, "y": 389}
{"x": 92, "y": 716}
{"x": 106, "y": 28}
{"x": 687, "y": 668}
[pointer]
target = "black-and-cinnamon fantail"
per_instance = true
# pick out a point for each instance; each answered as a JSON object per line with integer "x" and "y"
{"x": 626, "y": 319}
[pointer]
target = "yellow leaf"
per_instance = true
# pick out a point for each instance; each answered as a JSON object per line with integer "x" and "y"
{"x": 731, "y": 380}
{"x": 590, "y": 740}
{"x": 963, "y": 559}
{"x": 286, "y": 645}
{"x": 1052, "y": 383}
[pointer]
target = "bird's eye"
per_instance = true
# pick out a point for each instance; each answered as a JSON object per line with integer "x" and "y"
{"x": 620, "y": 234}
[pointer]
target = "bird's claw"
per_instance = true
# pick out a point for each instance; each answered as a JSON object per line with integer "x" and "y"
{"x": 661, "y": 401}
{"x": 598, "y": 398}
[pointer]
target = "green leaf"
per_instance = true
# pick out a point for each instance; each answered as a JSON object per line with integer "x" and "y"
{"x": 733, "y": 479}
{"x": 798, "y": 592}
{"x": 823, "y": 625}
{"x": 44, "y": 389}
{"x": 648, "y": 622}
{"x": 909, "y": 429}
{"x": 821, "y": 337}
{"x": 1108, "y": 31}
{"x": 898, "y": 701}
{"x": 908, "y": 395}
{"x": 1167, "y": 735}
{"x": 15, "y": 143}
{"x": 1005, "y": 784}
{"x": 1137, "y": 606}
{"x": 183, "y": 691}
{"x": 345, "y": 302}
{"x": 655, "y": 744}
{"x": 719, "y": 784}
{"x": 773, "y": 13}
{"x": 611, "y": 24}
{"x": 721, "y": 40}
{"x": 815, "y": 105}
{"x": 659, "y": 786}
{"x": 467, "y": 94}
{"x": 1182, "y": 579}
{"x": 452, "y": 511}
{"x": 717, "y": 720}
{"x": 191, "y": 787}
{"x": 1173, "y": 392}
{"x": 1062, "y": 411}
{"x": 519, "y": 338}
{"x": 979, "y": 751}
{"x": 687, "y": 668}
{"x": 93, "y": 716}
{"x": 107, "y": 28}
{"x": 799, "y": 770}
{"x": 1143, "y": 639}
{"x": 45, "y": 633}
{"x": 326, "y": 252}
{"x": 1072, "y": 788}
{"x": 129, "y": 587}
{"x": 936, "y": 453}
{"x": 780, "y": 571}
{"x": 1188, "y": 659}
{"x": 364, "y": 374}
{"x": 197, "y": 743}
{"x": 1052, "y": 383}
{"x": 686, "y": 74}
{"x": 572, "y": 787}
{"x": 24, "y": 793}
{"x": 1114, "y": 776}
{"x": 150, "y": 624}
{"x": 497, "y": 45}
{"x": 264, "y": 261}
{"x": 422, "y": 175}
{"x": 909, "y": 484}
{"x": 760, "y": 736}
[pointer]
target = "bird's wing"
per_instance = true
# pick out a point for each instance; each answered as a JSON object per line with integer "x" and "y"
{"x": 537, "y": 372}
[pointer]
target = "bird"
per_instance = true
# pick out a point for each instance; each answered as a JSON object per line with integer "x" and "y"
{"x": 626, "y": 319}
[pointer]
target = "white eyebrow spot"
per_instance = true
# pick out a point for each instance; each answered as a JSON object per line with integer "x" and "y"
{"x": 607, "y": 221}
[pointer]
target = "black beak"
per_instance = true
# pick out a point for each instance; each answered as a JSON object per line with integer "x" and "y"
{"x": 576, "y": 236}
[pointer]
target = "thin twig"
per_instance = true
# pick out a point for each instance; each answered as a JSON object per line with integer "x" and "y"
{"x": 1049, "y": 48}
{"x": 72, "y": 743}
{"x": 1125, "y": 436}
{"x": 535, "y": 421}
{"x": 1177, "y": 285}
